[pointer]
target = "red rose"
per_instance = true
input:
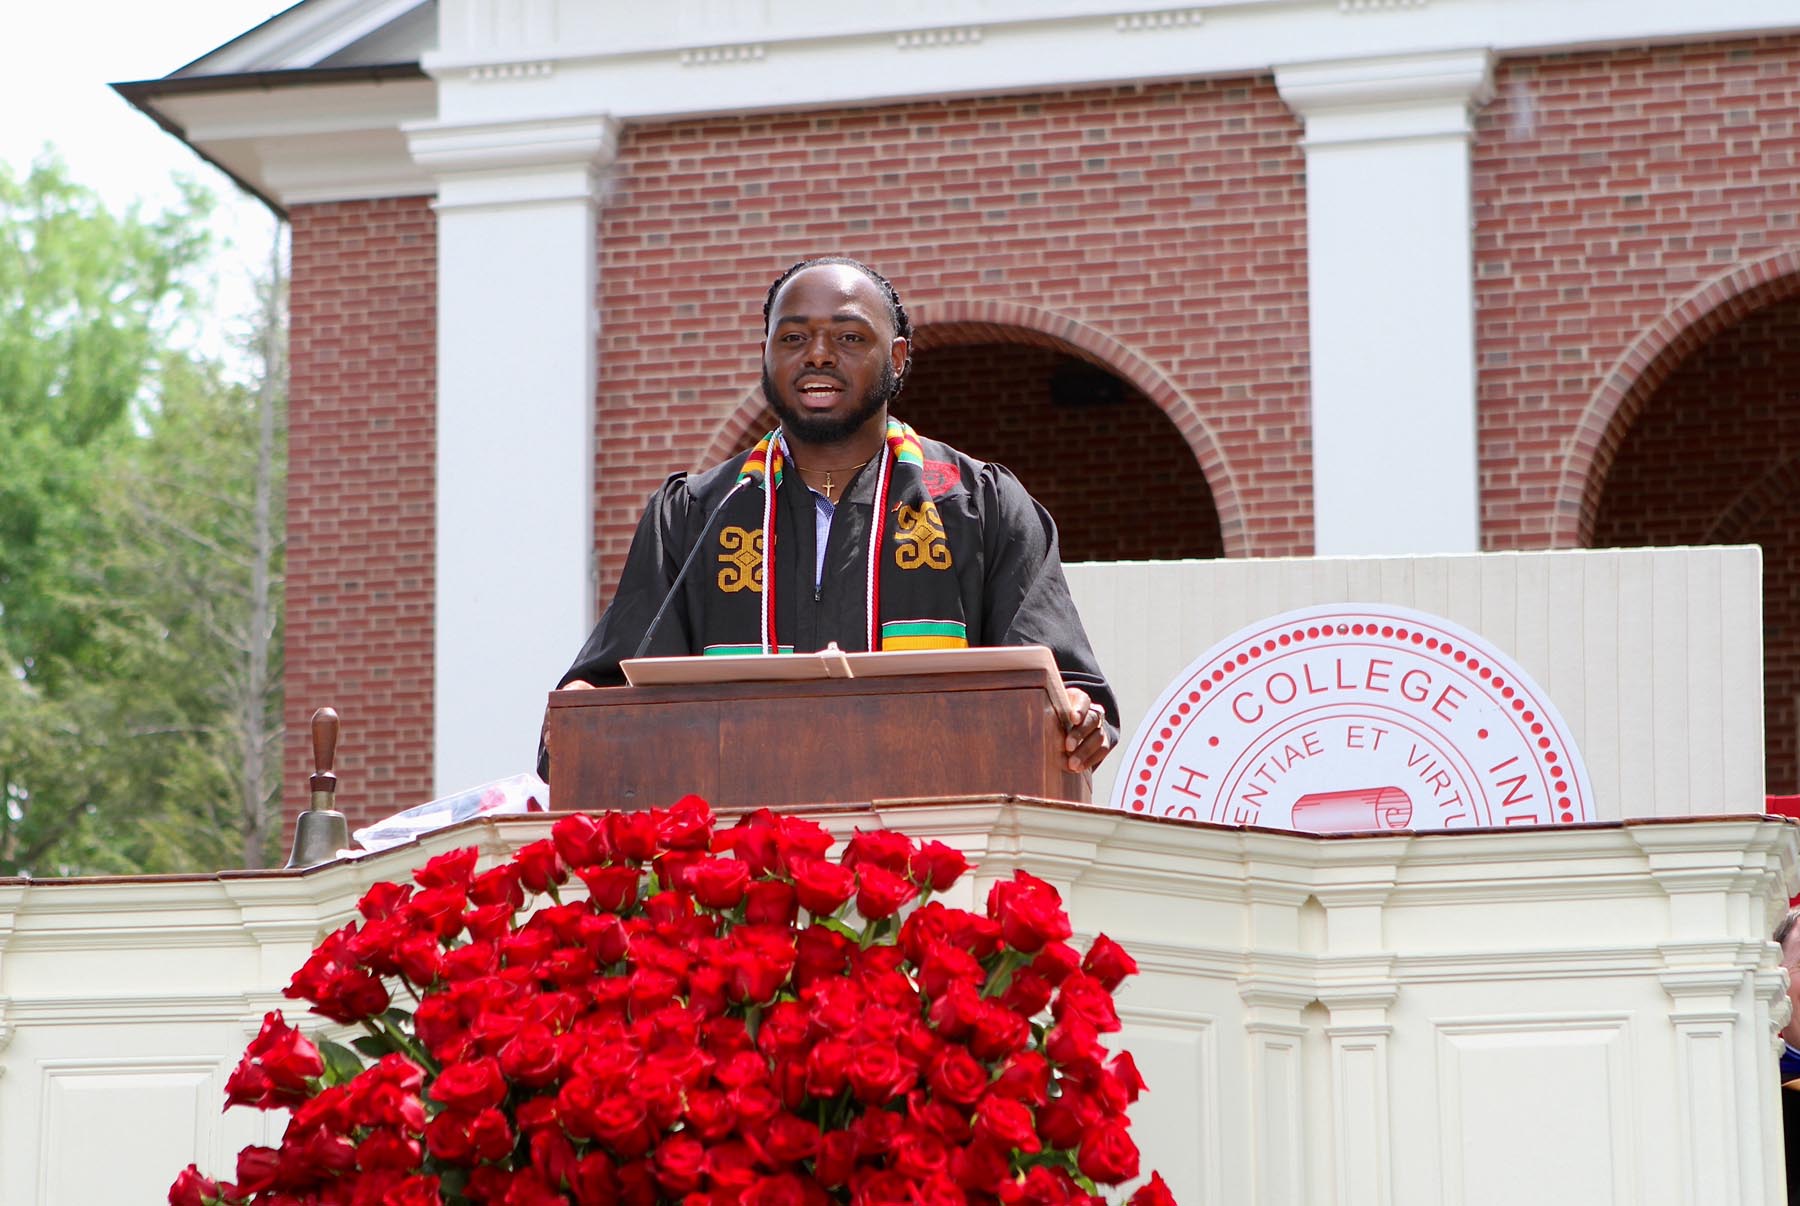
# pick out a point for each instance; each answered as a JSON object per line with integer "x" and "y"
{"x": 1047, "y": 1186}
{"x": 580, "y": 840}
{"x": 836, "y": 1159}
{"x": 771, "y": 902}
{"x": 192, "y": 1188}
{"x": 918, "y": 1155}
{"x": 880, "y": 893}
{"x": 980, "y": 1168}
{"x": 938, "y": 865}
{"x": 753, "y": 840}
{"x": 788, "y": 1140}
{"x": 1108, "y": 962}
{"x": 1107, "y": 1154}
{"x": 754, "y": 1105}
{"x": 759, "y": 962}
{"x": 708, "y": 1113}
{"x": 276, "y": 1068}
{"x": 1123, "y": 1071}
{"x": 385, "y": 1149}
{"x": 1153, "y": 1193}
{"x": 383, "y": 900}
{"x": 1084, "y": 997}
{"x": 490, "y": 922}
{"x": 595, "y": 1181}
{"x": 820, "y": 953}
{"x": 540, "y": 866}
{"x": 687, "y": 824}
{"x": 1063, "y": 1120}
{"x": 892, "y": 852}
{"x": 1074, "y": 1044}
{"x": 439, "y": 909}
{"x": 783, "y": 1189}
{"x": 551, "y": 1153}
{"x": 418, "y": 1190}
{"x": 876, "y": 1132}
{"x": 498, "y": 885}
{"x": 948, "y": 1122}
{"x": 877, "y": 1074}
{"x": 718, "y": 883}
{"x": 530, "y": 1056}
{"x": 828, "y": 1068}
{"x": 453, "y": 870}
{"x": 1026, "y": 1078}
{"x": 1027, "y": 993}
{"x": 957, "y": 1076}
{"x": 610, "y": 889}
{"x": 997, "y": 1031}
{"x": 619, "y": 1122}
{"x": 1055, "y": 962}
{"x": 420, "y": 959}
{"x": 472, "y": 1085}
{"x": 881, "y": 1189}
{"x": 604, "y": 937}
{"x": 680, "y": 1163}
{"x": 632, "y": 834}
{"x": 732, "y": 1166}
{"x": 1029, "y": 911}
{"x": 822, "y": 887}
{"x": 1007, "y": 1123}
{"x": 256, "y": 1169}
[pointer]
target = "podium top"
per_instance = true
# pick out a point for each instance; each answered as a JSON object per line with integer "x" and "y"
{"x": 833, "y": 663}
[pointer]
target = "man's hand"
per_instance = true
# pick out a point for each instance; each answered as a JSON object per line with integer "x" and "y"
{"x": 574, "y": 684}
{"x": 1086, "y": 740}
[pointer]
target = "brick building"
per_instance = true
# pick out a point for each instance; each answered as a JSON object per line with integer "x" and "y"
{"x": 1230, "y": 279}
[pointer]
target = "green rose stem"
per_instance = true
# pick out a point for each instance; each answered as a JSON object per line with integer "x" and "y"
{"x": 400, "y": 1041}
{"x": 1010, "y": 962}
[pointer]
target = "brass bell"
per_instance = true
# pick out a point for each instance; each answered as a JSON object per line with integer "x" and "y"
{"x": 321, "y": 830}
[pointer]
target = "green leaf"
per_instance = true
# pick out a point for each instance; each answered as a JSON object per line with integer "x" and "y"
{"x": 341, "y": 1064}
{"x": 372, "y": 1045}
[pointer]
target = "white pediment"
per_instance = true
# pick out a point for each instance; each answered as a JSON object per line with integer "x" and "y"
{"x": 325, "y": 34}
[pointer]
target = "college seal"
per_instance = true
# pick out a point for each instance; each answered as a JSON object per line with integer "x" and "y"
{"x": 1355, "y": 717}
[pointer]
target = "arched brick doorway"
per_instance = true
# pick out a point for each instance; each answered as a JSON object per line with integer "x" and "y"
{"x": 1711, "y": 455}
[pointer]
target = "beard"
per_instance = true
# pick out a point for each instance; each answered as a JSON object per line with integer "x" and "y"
{"x": 811, "y": 428}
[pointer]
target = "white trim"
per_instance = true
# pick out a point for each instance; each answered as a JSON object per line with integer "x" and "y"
{"x": 338, "y": 142}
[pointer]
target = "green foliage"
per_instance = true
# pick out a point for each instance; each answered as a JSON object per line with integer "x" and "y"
{"x": 128, "y": 522}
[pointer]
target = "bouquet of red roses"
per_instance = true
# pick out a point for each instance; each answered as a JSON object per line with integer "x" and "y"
{"x": 710, "y": 1024}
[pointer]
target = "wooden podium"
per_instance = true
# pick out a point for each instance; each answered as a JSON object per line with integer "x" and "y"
{"x": 785, "y": 739}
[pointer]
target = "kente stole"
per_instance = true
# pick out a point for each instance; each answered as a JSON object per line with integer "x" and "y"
{"x": 912, "y": 600}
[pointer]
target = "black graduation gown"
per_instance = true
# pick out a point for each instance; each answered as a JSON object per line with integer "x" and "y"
{"x": 1009, "y": 575}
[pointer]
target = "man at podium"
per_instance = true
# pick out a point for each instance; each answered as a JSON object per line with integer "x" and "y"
{"x": 880, "y": 538}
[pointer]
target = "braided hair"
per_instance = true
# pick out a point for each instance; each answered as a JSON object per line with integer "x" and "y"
{"x": 897, "y": 311}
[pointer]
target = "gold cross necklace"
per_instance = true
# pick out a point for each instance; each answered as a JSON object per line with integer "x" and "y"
{"x": 829, "y": 485}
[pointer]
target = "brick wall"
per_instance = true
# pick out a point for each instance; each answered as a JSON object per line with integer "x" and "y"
{"x": 1607, "y": 187}
{"x": 360, "y": 555}
{"x": 1170, "y": 219}
{"x": 1715, "y": 458}
{"x": 1112, "y": 471}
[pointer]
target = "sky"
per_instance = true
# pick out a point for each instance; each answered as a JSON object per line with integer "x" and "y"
{"x": 57, "y": 58}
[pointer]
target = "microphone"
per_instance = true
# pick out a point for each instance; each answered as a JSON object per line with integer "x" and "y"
{"x": 675, "y": 586}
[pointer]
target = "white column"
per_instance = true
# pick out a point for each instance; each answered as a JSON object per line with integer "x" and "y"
{"x": 517, "y": 329}
{"x": 1391, "y": 299}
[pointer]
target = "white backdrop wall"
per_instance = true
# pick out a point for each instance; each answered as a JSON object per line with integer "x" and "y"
{"x": 1653, "y": 656}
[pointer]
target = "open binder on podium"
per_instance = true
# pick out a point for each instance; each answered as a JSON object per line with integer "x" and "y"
{"x": 813, "y": 728}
